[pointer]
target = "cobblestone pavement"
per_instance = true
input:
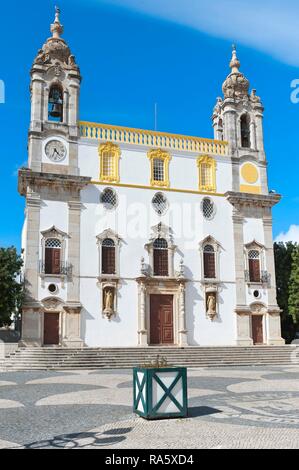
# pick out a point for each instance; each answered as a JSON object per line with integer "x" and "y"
{"x": 253, "y": 407}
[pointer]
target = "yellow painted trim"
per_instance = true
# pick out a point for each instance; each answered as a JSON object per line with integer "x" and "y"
{"x": 206, "y": 160}
{"x": 247, "y": 188}
{"x": 159, "y": 155}
{"x": 249, "y": 173}
{"x": 116, "y": 152}
{"x": 128, "y": 135}
{"x": 138, "y": 186}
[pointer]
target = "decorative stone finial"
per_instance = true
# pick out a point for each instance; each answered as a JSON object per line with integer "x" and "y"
{"x": 143, "y": 269}
{"x": 234, "y": 63}
{"x": 236, "y": 84}
{"x": 55, "y": 48}
{"x": 56, "y": 27}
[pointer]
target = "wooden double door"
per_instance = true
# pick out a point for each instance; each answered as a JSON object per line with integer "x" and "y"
{"x": 51, "y": 328}
{"x": 257, "y": 329}
{"x": 161, "y": 319}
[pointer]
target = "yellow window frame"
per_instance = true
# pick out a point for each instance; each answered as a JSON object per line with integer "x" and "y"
{"x": 206, "y": 160}
{"x": 115, "y": 151}
{"x": 165, "y": 157}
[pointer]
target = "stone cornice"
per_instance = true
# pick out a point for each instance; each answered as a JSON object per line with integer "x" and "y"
{"x": 252, "y": 200}
{"x": 35, "y": 179}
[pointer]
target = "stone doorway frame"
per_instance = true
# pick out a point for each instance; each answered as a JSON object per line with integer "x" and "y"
{"x": 69, "y": 321}
{"x": 271, "y": 324}
{"x": 166, "y": 286}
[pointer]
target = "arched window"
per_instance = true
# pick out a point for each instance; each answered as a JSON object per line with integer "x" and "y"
{"x": 109, "y": 154}
{"x": 52, "y": 256}
{"x": 108, "y": 256}
{"x": 55, "y": 104}
{"x": 245, "y": 131}
{"x": 207, "y": 174}
{"x": 160, "y": 257}
{"x": 254, "y": 266}
{"x": 209, "y": 262}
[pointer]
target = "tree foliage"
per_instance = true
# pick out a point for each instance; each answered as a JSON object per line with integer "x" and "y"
{"x": 11, "y": 291}
{"x": 283, "y": 267}
{"x": 294, "y": 286}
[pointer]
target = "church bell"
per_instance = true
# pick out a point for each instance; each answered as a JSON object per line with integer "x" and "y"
{"x": 56, "y": 110}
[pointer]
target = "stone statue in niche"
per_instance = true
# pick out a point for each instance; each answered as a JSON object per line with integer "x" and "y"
{"x": 108, "y": 302}
{"x": 211, "y": 305}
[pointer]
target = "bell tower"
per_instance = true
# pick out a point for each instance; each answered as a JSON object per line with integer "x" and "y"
{"x": 238, "y": 119}
{"x": 55, "y": 90}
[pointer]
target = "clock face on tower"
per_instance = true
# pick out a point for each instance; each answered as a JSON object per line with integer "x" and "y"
{"x": 55, "y": 150}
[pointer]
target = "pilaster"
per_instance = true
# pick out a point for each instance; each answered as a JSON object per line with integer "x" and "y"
{"x": 268, "y": 240}
{"x": 142, "y": 330}
{"x": 239, "y": 257}
{"x": 183, "y": 341}
{"x": 33, "y": 203}
{"x": 74, "y": 219}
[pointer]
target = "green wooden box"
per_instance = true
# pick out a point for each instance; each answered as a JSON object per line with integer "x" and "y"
{"x": 160, "y": 392}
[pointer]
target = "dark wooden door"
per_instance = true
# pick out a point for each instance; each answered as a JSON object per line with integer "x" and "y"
{"x": 52, "y": 260}
{"x": 51, "y": 328}
{"x": 254, "y": 270}
{"x": 161, "y": 319}
{"x": 257, "y": 329}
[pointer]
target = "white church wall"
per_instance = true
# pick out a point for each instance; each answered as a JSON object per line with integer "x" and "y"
{"x": 253, "y": 230}
{"x": 97, "y": 330}
{"x": 201, "y": 330}
{"x": 134, "y": 167}
{"x": 132, "y": 221}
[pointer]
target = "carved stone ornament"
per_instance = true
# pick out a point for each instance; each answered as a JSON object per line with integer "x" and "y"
{"x": 55, "y": 73}
{"x": 52, "y": 304}
{"x": 258, "y": 309}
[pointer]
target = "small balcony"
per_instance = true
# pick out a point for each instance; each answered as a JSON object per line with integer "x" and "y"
{"x": 64, "y": 269}
{"x": 264, "y": 278}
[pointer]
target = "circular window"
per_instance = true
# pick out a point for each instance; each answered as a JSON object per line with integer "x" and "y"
{"x": 109, "y": 198}
{"x": 52, "y": 288}
{"x": 208, "y": 208}
{"x": 256, "y": 294}
{"x": 160, "y": 203}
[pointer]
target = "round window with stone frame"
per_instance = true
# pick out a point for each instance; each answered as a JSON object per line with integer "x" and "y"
{"x": 160, "y": 203}
{"x": 208, "y": 208}
{"x": 52, "y": 288}
{"x": 109, "y": 199}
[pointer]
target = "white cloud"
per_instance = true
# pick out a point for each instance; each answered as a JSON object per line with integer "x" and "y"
{"x": 270, "y": 26}
{"x": 292, "y": 235}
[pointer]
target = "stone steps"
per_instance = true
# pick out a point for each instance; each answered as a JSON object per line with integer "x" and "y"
{"x": 55, "y": 358}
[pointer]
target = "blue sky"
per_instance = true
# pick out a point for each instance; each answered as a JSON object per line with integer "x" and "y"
{"x": 133, "y": 53}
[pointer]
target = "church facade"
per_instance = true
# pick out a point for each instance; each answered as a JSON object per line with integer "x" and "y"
{"x": 135, "y": 237}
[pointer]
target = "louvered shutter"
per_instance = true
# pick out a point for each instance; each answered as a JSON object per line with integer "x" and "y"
{"x": 209, "y": 266}
{"x": 108, "y": 260}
